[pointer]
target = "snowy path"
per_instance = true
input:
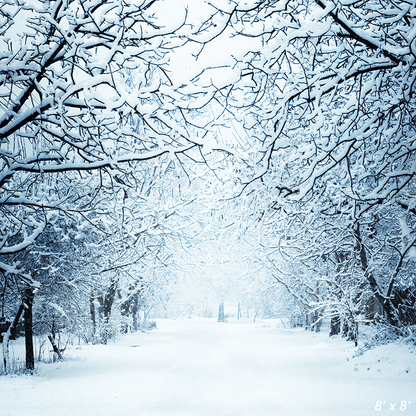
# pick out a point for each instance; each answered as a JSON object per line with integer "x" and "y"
{"x": 200, "y": 367}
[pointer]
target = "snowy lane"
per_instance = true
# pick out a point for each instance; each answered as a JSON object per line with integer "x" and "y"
{"x": 200, "y": 367}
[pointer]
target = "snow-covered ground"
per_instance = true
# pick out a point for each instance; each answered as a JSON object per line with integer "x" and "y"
{"x": 198, "y": 367}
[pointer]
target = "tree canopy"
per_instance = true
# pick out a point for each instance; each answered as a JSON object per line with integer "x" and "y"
{"x": 132, "y": 131}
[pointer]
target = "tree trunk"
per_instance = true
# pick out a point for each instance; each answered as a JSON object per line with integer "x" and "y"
{"x": 221, "y": 313}
{"x": 317, "y": 315}
{"x": 350, "y": 329}
{"x": 10, "y": 334}
{"x": 28, "y": 303}
{"x": 385, "y": 303}
{"x": 109, "y": 300}
{"x": 13, "y": 330}
{"x": 239, "y": 315}
{"x": 4, "y": 327}
{"x": 107, "y": 305}
{"x": 134, "y": 311}
{"x": 335, "y": 326}
{"x": 92, "y": 312}
{"x": 6, "y": 356}
{"x": 55, "y": 348}
{"x": 125, "y": 313}
{"x": 316, "y": 321}
{"x": 307, "y": 320}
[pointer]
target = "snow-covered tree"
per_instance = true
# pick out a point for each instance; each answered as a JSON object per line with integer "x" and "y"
{"x": 84, "y": 88}
{"x": 328, "y": 94}
{"x": 85, "y": 95}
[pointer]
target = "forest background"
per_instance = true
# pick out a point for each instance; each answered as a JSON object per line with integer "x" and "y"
{"x": 172, "y": 158}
